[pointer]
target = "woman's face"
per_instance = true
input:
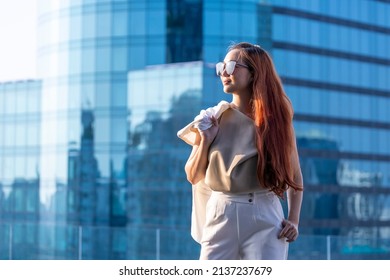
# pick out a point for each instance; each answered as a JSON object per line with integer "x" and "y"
{"x": 240, "y": 81}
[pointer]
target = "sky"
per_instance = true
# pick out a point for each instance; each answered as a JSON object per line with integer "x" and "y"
{"x": 18, "y": 23}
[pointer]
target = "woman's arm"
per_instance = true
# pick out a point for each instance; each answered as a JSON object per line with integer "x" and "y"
{"x": 294, "y": 198}
{"x": 294, "y": 201}
{"x": 197, "y": 163}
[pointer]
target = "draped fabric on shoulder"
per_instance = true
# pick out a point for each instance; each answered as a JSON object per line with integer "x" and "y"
{"x": 200, "y": 191}
{"x": 202, "y": 122}
{"x": 200, "y": 196}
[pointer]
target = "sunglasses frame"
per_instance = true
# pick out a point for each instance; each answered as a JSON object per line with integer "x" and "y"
{"x": 220, "y": 67}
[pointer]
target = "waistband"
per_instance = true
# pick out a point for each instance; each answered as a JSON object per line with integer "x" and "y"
{"x": 247, "y": 197}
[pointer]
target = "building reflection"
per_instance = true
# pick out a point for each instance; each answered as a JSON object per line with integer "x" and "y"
{"x": 340, "y": 200}
{"x": 155, "y": 200}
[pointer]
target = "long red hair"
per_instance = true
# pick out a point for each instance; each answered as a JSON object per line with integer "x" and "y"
{"x": 272, "y": 113}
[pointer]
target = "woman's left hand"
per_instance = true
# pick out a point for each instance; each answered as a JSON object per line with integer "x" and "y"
{"x": 289, "y": 231}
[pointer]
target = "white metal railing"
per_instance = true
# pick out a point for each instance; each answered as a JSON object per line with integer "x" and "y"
{"x": 47, "y": 241}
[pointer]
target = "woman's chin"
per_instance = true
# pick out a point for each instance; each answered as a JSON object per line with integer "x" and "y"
{"x": 227, "y": 90}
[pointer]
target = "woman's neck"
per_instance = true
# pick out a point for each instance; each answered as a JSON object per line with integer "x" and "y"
{"x": 242, "y": 104}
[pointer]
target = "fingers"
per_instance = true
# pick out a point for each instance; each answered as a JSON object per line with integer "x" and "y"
{"x": 210, "y": 133}
{"x": 289, "y": 231}
{"x": 214, "y": 121}
{"x": 292, "y": 237}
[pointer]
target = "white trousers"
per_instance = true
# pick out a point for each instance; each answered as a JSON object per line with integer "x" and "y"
{"x": 243, "y": 226}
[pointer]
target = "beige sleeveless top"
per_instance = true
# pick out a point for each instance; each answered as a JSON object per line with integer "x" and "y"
{"x": 233, "y": 155}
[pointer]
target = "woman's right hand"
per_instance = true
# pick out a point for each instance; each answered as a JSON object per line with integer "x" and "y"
{"x": 209, "y": 134}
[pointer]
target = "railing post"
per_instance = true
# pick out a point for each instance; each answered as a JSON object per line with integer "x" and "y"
{"x": 328, "y": 248}
{"x": 80, "y": 243}
{"x": 158, "y": 244}
{"x": 10, "y": 242}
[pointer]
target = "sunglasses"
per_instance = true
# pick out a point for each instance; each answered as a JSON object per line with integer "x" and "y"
{"x": 228, "y": 67}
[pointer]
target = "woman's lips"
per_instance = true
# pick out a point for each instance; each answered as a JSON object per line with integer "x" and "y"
{"x": 226, "y": 82}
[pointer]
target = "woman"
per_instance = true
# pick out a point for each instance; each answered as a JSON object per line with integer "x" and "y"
{"x": 245, "y": 152}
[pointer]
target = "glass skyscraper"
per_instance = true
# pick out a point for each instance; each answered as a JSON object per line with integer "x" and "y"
{"x": 90, "y": 164}
{"x": 20, "y": 120}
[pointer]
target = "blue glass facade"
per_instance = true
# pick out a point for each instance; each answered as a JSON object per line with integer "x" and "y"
{"x": 89, "y": 153}
{"x": 334, "y": 62}
{"x": 20, "y": 125}
{"x": 84, "y": 56}
{"x": 162, "y": 99}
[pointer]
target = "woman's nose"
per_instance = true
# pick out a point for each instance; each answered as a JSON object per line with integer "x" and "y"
{"x": 224, "y": 73}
